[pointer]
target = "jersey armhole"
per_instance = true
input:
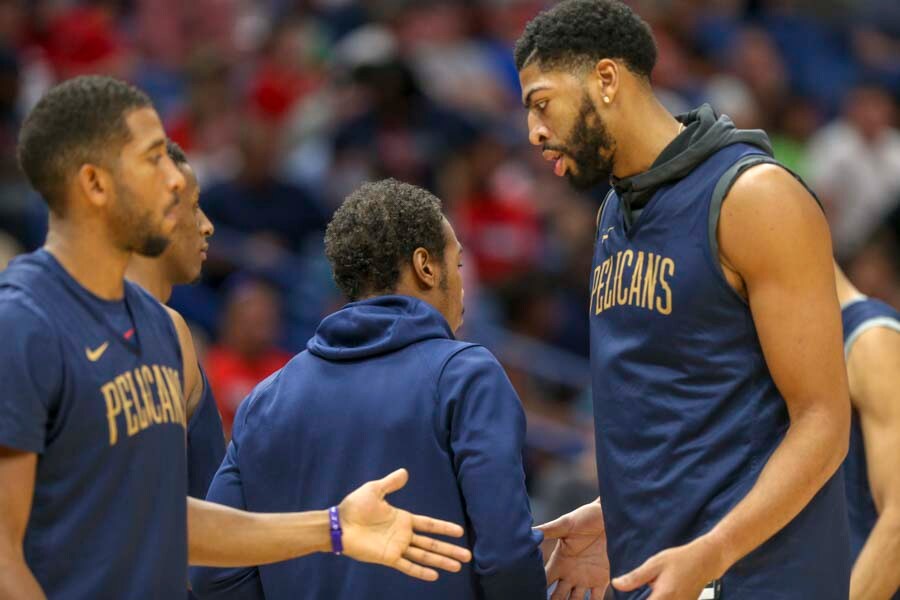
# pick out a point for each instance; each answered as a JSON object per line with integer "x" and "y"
{"x": 720, "y": 192}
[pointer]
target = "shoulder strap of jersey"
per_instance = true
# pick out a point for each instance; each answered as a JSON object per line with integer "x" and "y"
{"x": 725, "y": 183}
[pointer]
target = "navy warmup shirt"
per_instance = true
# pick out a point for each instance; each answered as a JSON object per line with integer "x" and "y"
{"x": 94, "y": 387}
{"x": 686, "y": 411}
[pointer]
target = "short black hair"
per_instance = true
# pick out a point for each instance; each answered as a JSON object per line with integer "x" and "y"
{"x": 176, "y": 153}
{"x": 79, "y": 121}
{"x": 376, "y": 230}
{"x": 576, "y": 34}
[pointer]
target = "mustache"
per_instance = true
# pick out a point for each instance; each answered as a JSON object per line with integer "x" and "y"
{"x": 554, "y": 148}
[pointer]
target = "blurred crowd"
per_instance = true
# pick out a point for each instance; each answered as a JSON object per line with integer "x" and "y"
{"x": 285, "y": 106}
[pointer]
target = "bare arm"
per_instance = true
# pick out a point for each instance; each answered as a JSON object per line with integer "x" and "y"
{"x": 874, "y": 371}
{"x": 17, "y": 472}
{"x": 373, "y": 531}
{"x": 776, "y": 240}
{"x": 193, "y": 382}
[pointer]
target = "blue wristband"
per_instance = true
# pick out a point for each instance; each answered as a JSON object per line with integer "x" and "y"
{"x": 337, "y": 546}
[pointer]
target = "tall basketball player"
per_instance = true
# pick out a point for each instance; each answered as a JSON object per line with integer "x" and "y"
{"x": 180, "y": 264}
{"x": 872, "y": 467}
{"x": 92, "y": 416}
{"x": 720, "y": 394}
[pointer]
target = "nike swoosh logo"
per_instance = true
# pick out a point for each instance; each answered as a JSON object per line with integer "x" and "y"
{"x": 94, "y": 355}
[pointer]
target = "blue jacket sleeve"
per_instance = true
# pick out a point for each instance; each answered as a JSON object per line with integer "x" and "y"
{"x": 232, "y": 583}
{"x": 486, "y": 434}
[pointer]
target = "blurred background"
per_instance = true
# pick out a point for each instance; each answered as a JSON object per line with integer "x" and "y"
{"x": 285, "y": 106}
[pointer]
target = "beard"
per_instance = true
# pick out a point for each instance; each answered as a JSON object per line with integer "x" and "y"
{"x": 589, "y": 136}
{"x": 136, "y": 230}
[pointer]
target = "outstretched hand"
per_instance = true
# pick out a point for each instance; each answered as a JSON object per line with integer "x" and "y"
{"x": 376, "y": 532}
{"x": 579, "y": 561}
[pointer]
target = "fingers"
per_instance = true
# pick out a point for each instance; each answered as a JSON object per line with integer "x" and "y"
{"x": 434, "y": 546}
{"x": 553, "y": 568}
{"x": 563, "y": 588}
{"x": 598, "y": 593}
{"x": 643, "y": 575}
{"x": 436, "y": 526}
{"x": 393, "y": 482}
{"x": 413, "y": 570}
{"x": 556, "y": 528}
{"x": 578, "y": 593}
{"x": 438, "y": 561}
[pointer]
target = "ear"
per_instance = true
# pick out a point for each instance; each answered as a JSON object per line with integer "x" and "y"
{"x": 94, "y": 183}
{"x": 605, "y": 81}
{"x": 424, "y": 269}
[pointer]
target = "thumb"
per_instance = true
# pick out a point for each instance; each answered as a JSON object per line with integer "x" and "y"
{"x": 643, "y": 575}
{"x": 392, "y": 483}
{"x": 556, "y": 528}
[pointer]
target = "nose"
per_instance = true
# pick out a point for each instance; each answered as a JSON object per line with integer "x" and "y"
{"x": 206, "y": 226}
{"x": 537, "y": 131}
{"x": 175, "y": 180}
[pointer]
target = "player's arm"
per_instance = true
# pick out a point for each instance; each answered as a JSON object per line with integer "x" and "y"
{"x": 486, "y": 426}
{"x": 874, "y": 372}
{"x": 193, "y": 382}
{"x": 373, "y": 531}
{"x": 775, "y": 238}
{"x": 17, "y": 471}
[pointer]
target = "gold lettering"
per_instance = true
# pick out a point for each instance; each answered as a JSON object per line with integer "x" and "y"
{"x": 635, "y": 298}
{"x": 113, "y": 408}
{"x": 174, "y": 380}
{"x": 145, "y": 382}
{"x": 617, "y": 284}
{"x": 650, "y": 280}
{"x": 600, "y": 285}
{"x": 130, "y": 420}
{"x": 143, "y": 419}
{"x": 165, "y": 403}
{"x": 594, "y": 286}
{"x": 608, "y": 294}
{"x": 627, "y": 257}
{"x": 665, "y": 307}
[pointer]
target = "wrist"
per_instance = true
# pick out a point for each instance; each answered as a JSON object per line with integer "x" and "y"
{"x": 718, "y": 552}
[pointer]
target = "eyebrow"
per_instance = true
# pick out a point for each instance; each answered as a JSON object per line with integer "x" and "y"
{"x": 154, "y": 144}
{"x": 526, "y": 102}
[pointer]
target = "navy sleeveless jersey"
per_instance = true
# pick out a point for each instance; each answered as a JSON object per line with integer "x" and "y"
{"x": 205, "y": 443}
{"x": 686, "y": 411}
{"x": 103, "y": 409}
{"x": 859, "y": 316}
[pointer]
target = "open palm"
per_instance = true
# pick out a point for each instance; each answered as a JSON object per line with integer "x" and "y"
{"x": 376, "y": 532}
{"x": 579, "y": 562}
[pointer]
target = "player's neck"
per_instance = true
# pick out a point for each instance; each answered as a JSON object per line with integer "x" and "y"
{"x": 642, "y": 136}
{"x": 148, "y": 273}
{"x": 90, "y": 259}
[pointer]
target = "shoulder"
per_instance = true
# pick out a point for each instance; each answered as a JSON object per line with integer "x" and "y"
{"x": 769, "y": 212}
{"x": 21, "y": 311}
{"x": 470, "y": 361}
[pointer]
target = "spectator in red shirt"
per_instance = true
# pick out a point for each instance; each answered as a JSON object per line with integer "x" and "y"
{"x": 246, "y": 352}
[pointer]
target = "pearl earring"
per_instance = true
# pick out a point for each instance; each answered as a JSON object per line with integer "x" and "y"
{"x": 606, "y": 99}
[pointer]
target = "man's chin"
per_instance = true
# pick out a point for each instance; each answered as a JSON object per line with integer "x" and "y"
{"x": 582, "y": 183}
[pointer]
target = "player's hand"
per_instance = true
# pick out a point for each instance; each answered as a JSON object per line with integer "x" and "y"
{"x": 376, "y": 532}
{"x": 579, "y": 561}
{"x": 678, "y": 573}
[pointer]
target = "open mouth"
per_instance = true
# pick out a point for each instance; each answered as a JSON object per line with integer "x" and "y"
{"x": 558, "y": 159}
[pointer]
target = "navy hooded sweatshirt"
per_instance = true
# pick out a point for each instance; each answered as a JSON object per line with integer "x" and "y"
{"x": 384, "y": 384}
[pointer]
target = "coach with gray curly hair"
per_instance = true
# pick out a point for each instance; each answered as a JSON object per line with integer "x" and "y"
{"x": 382, "y": 384}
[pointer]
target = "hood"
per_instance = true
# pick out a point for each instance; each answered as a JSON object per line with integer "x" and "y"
{"x": 377, "y": 326}
{"x": 704, "y": 134}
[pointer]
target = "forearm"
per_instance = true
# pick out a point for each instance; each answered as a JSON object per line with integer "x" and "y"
{"x": 871, "y": 579}
{"x": 810, "y": 453}
{"x": 219, "y": 536}
{"x": 18, "y": 583}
